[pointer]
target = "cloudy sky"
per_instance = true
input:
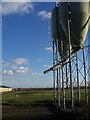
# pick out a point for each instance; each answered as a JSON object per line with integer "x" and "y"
{"x": 26, "y": 44}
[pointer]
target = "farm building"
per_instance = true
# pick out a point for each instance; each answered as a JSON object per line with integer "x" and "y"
{"x": 5, "y": 88}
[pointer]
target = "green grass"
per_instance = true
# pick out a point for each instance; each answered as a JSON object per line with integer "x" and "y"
{"x": 35, "y": 96}
{"x": 27, "y": 97}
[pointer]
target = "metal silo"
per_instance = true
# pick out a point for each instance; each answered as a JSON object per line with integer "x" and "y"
{"x": 58, "y": 33}
{"x": 63, "y": 16}
{"x": 79, "y": 24}
{"x": 64, "y": 27}
{"x": 55, "y": 28}
{"x": 65, "y": 47}
{"x": 79, "y": 21}
{"x": 55, "y": 24}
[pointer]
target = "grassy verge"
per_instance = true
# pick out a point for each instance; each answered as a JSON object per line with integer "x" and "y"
{"x": 25, "y": 98}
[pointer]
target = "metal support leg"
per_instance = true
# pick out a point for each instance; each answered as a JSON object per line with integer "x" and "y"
{"x": 86, "y": 90}
{"x": 70, "y": 66}
{"x": 59, "y": 83}
{"x": 54, "y": 81}
{"x": 78, "y": 83}
{"x": 66, "y": 78}
{"x": 64, "y": 106}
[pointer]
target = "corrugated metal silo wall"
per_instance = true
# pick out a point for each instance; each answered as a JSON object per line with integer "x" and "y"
{"x": 58, "y": 33}
{"x": 79, "y": 25}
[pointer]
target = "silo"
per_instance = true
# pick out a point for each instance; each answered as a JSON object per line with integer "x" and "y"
{"x": 65, "y": 46}
{"x": 63, "y": 13}
{"x": 63, "y": 16}
{"x": 55, "y": 28}
{"x": 79, "y": 21}
{"x": 55, "y": 24}
{"x": 79, "y": 24}
{"x": 58, "y": 33}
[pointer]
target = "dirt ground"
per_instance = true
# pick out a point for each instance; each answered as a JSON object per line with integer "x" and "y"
{"x": 39, "y": 112}
{"x": 33, "y": 112}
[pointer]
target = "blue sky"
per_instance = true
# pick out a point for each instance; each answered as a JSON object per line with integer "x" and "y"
{"x": 26, "y": 46}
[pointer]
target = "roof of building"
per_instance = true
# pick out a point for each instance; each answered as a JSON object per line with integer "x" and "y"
{"x": 3, "y": 86}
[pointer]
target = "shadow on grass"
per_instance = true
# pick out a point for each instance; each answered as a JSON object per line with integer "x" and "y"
{"x": 61, "y": 114}
{"x": 57, "y": 113}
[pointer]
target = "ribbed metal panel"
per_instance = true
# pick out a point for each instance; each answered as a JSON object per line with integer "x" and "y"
{"x": 64, "y": 30}
{"x": 56, "y": 28}
{"x": 58, "y": 33}
{"x": 65, "y": 47}
{"x": 79, "y": 24}
{"x": 63, "y": 16}
{"x": 54, "y": 24}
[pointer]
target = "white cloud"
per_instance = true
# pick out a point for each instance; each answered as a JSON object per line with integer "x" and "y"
{"x": 22, "y": 69}
{"x": 37, "y": 74}
{"x": 17, "y": 7}
{"x": 49, "y": 49}
{"x": 47, "y": 66}
{"x": 4, "y": 63}
{"x": 19, "y": 69}
{"x": 20, "y": 61}
{"x": 44, "y": 14}
{"x": 8, "y": 72}
{"x": 15, "y": 67}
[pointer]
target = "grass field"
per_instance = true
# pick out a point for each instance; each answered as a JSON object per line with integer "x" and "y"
{"x": 33, "y": 96}
{"x": 26, "y": 98}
